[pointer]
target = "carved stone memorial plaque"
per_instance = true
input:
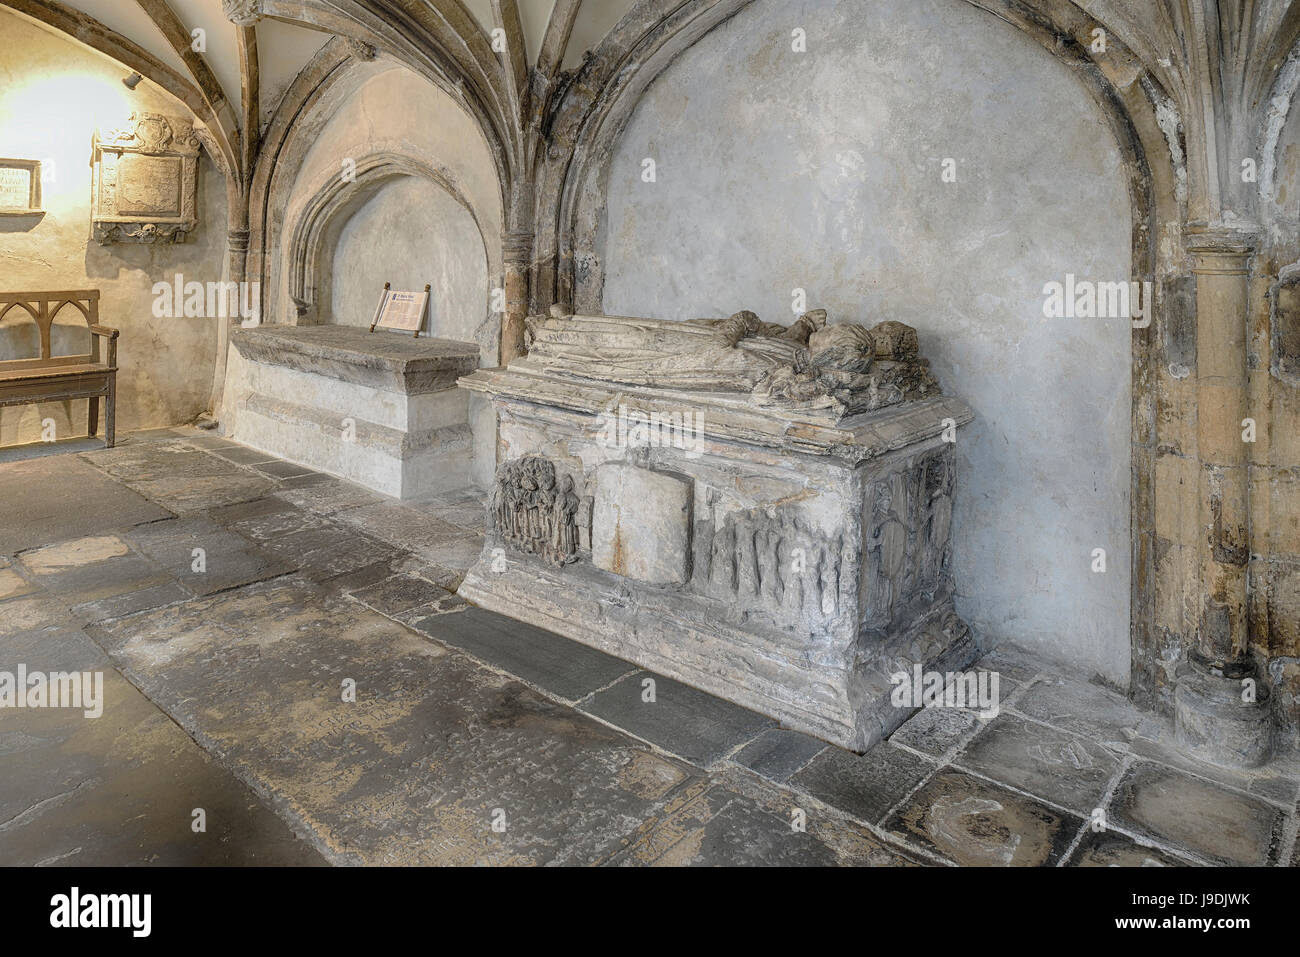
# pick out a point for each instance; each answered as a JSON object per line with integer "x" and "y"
{"x": 145, "y": 181}
{"x": 20, "y": 187}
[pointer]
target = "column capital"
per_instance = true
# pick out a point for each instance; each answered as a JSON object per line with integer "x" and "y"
{"x": 237, "y": 240}
{"x": 1219, "y": 249}
{"x": 517, "y": 246}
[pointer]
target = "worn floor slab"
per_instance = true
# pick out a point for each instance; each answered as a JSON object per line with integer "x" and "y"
{"x": 865, "y": 785}
{"x": 434, "y": 751}
{"x": 565, "y": 668}
{"x": 122, "y": 786}
{"x": 977, "y": 823}
{"x": 736, "y": 821}
{"x": 1065, "y": 768}
{"x": 54, "y": 499}
{"x": 682, "y": 720}
{"x": 1215, "y": 823}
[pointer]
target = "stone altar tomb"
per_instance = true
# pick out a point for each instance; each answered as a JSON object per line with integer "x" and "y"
{"x": 760, "y": 511}
{"x": 381, "y": 409}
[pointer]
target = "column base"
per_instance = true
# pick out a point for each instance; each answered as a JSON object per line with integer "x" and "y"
{"x": 1214, "y": 724}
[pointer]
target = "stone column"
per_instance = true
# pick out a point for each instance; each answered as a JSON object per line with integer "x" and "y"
{"x": 1221, "y": 702}
{"x": 517, "y": 253}
{"x": 236, "y": 257}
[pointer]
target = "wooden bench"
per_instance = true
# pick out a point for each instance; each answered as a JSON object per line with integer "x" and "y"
{"x": 55, "y": 378}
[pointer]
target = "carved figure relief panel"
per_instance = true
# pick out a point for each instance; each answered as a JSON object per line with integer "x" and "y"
{"x": 144, "y": 185}
{"x": 908, "y": 545}
{"x": 772, "y": 560}
{"x": 537, "y": 512}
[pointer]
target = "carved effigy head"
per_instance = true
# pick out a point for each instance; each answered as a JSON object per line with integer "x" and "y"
{"x": 895, "y": 340}
{"x": 845, "y": 347}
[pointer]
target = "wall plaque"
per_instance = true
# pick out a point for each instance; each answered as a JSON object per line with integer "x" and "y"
{"x": 20, "y": 187}
{"x": 145, "y": 181}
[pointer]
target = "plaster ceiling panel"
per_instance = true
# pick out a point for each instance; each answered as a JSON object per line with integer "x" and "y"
{"x": 127, "y": 19}
{"x": 482, "y": 10}
{"x": 222, "y": 37}
{"x": 595, "y": 19}
{"x": 535, "y": 15}
{"x": 282, "y": 51}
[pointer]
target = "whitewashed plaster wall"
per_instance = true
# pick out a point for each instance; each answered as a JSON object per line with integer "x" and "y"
{"x": 778, "y": 170}
{"x": 410, "y": 233}
{"x": 53, "y": 94}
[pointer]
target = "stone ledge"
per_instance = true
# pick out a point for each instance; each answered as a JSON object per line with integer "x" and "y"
{"x": 382, "y": 360}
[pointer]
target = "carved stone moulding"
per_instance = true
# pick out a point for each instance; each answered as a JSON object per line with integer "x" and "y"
{"x": 145, "y": 181}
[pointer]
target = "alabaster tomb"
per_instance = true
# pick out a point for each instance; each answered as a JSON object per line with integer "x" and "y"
{"x": 759, "y": 511}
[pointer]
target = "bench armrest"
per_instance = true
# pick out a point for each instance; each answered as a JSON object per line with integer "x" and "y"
{"x": 111, "y": 336}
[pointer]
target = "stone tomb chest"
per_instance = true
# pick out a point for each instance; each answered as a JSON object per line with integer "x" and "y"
{"x": 759, "y": 511}
{"x": 381, "y": 408}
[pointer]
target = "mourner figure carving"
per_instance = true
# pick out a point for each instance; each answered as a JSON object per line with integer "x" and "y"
{"x": 533, "y": 512}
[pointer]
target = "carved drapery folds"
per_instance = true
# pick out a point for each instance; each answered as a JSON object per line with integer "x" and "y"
{"x": 829, "y": 370}
{"x": 145, "y": 180}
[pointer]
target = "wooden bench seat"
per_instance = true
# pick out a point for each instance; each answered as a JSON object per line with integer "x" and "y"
{"x": 50, "y": 378}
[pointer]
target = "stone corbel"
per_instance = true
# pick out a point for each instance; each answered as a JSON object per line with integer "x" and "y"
{"x": 242, "y": 13}
{"x": 359, "y": 48}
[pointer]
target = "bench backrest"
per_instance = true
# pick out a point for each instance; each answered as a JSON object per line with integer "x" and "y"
{"x": 43, "y": 307}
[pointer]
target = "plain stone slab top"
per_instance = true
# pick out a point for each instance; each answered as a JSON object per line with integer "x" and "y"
{"x": 733, "y": 418}
{"x": 384, "y": 360}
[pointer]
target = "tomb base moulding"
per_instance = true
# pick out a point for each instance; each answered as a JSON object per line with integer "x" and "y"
{"x": 769, "y": 521}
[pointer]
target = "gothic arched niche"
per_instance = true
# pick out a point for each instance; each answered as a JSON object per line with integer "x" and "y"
{"x": 409, "y": 231}
{"x": 358, "y": 179}
{"x": 824, "y": 171}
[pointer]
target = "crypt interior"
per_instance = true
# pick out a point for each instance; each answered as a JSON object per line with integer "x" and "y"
{"x": 665, "y": 432}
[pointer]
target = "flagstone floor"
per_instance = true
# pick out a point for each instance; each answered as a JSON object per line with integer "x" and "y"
{"x": 290, "y": 678}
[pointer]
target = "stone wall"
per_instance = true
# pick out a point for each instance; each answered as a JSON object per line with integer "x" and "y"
{"x": 1274, "y": 359}
{"x": 53, "y": 94}
{"x": 823, "y": 171}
